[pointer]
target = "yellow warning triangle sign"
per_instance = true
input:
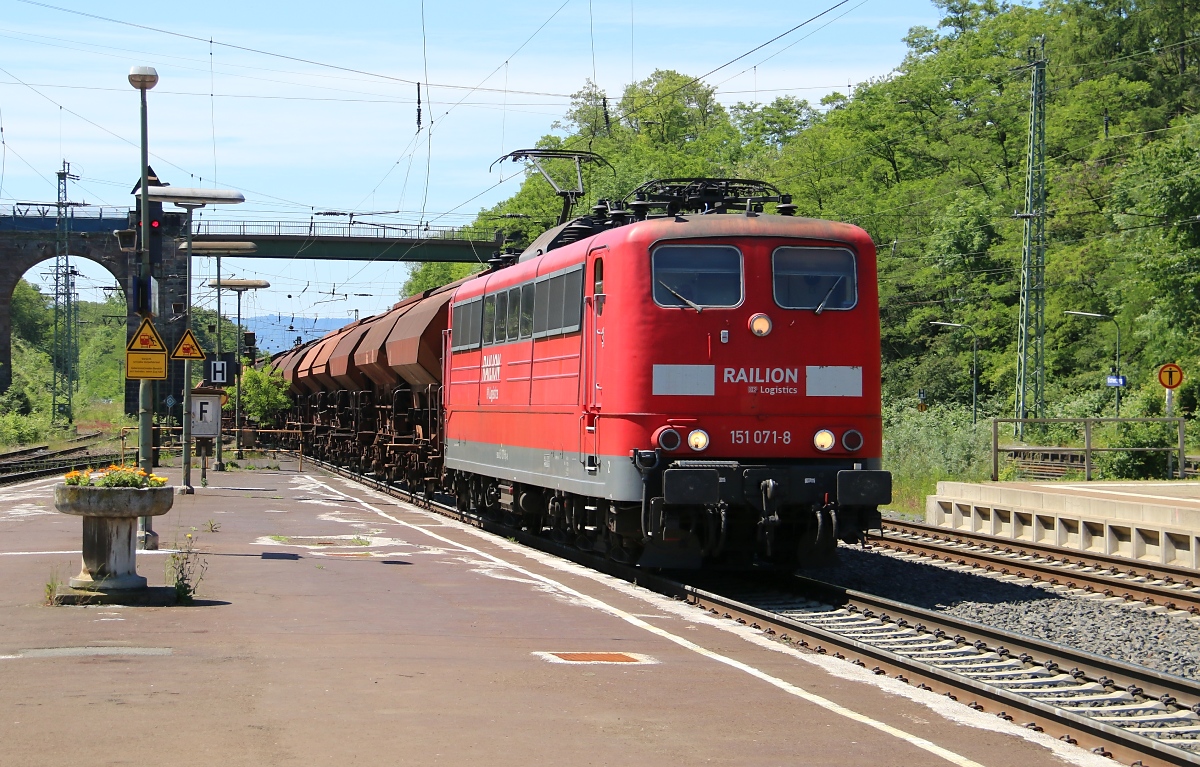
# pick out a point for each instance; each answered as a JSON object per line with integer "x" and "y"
{"x": 146, "y": 339}
{"x": 188, "y": 348}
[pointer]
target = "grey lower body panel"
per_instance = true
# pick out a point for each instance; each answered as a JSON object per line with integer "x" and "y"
{"x": 614, "y": 477}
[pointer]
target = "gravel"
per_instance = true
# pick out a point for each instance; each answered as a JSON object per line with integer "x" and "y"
{"x": 1161, "y": 642}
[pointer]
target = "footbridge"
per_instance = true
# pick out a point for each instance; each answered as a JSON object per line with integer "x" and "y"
{"x": 27, "y": 237}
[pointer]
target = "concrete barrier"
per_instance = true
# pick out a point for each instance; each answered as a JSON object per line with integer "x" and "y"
{"x": 1145, "y": 522}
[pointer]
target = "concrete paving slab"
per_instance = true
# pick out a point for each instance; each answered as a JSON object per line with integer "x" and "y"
{"x": 335, "y": 625}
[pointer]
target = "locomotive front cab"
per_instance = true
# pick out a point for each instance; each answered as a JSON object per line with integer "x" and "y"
{"x": 758, "y": 340}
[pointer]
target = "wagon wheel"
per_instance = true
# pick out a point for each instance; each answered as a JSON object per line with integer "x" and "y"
{"x": 462, "y": 493}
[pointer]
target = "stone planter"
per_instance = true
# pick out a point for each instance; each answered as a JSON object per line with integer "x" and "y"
{"x": 110, "y": 517}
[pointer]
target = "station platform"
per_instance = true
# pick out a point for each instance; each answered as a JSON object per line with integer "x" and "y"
{"x": 1148, "y": 521}
{"x": 335, "y": 625}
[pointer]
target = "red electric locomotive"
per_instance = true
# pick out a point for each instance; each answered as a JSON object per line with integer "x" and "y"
{"x": 679, "y": 380}
{"x": 694, "y": 387}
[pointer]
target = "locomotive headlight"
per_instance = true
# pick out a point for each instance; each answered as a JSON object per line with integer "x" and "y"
{"x": 852, "y": 440}
{"x": 760, "y": 325}
{"x": 824, "y": 440}
{"x": 668, "y": 439}
{"x": 698, "y": 440}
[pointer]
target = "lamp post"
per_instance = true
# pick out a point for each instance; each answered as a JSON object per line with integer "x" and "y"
{"x": 1097, "y": 316}
{"x": 143, "y": 79}
{"x": 189, "y": 200}
{"x": 239, "y": 287}
{"x": 974, "y": 365}
{"x": 218, "y": 249}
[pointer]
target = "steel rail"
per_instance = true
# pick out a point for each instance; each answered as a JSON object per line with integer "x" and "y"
{"x": 1006, "y": 673}
{"x": 1079, "y": 571}
{"x": 1036, "y": 663}
{"x": 1084, "y": 558}
{"x": 20, "y": 456}
{"x": 11, "y": 454}
{"x": 68, "y": 464}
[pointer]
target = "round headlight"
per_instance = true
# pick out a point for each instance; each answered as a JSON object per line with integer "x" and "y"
{"x": 698, "y": 440}
{"x": 852, "y": 440}
{"x": 760, "y": 325}
{"x": 824, "y": 440}
{"x": 669, "y": 439}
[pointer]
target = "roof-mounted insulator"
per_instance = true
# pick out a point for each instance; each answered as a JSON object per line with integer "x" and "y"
{"x": 785, "y": 206}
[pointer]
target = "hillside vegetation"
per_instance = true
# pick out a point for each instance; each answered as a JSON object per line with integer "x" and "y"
{"x": 930, "y": 160}
{"x": 99, "y": 400}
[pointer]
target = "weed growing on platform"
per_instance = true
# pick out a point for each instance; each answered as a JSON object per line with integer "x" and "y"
{"x": 185, "y": 569}
{"x": 280, "y": 538}
{"x": 357, "y": 541}
{"x": 212, "y": 526}
{"x": 52, "y": 589}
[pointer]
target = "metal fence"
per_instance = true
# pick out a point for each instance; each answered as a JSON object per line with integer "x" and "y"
{"x": 202, "y": 227}
{"x": 1088, "y": 448}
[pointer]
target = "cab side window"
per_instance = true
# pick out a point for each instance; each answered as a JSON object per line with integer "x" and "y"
{"x": 598, "y": 284}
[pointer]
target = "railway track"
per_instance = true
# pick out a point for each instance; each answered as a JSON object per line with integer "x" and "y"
{"x": 1133, "y": 714}
{"x": 1080, "y": 573}
{"x": 12, "y": 473}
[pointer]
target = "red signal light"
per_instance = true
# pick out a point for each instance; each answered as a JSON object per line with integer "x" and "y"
{"x": 154, "y": 224}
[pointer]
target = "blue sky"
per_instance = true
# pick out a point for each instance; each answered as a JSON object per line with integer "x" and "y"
{"x": 299, "y": 138}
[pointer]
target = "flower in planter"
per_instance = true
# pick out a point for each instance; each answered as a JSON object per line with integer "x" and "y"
{"x": 115, "y": 476}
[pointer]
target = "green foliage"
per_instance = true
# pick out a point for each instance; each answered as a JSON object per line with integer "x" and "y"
{"x": 32, "y": 316}
{"x": 922, "y": 449}
{"x": 16, "y": 429}
{"x": 432, "y": 274}
{"x": 264, "y": 393}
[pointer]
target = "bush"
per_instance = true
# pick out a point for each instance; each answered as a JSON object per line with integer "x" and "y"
{"x": 922, "y": 449}
{"x": 17, "y": 429}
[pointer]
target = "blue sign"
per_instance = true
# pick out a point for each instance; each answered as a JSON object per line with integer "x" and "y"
{"x": 1116, "y": 381}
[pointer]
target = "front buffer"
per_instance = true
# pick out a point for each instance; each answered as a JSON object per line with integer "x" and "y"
{"x": 773, "y": 513}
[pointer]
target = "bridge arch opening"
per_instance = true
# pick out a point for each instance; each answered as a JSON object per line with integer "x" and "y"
{"x": 37, "y": 345}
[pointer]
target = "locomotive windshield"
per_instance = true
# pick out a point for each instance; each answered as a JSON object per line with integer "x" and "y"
{"x": 698, "y": 276}
{"x": 814, "y": 278}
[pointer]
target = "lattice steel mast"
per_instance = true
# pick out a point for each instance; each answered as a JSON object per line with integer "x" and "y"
{"x": 65, "y": 351}
{"x": 1031, "y": 368}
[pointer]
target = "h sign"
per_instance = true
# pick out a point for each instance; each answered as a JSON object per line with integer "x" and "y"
{"x": 218, "y": 372}
{"x": 206, "y": 415}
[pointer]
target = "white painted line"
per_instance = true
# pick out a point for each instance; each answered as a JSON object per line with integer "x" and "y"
{"x": 89, "y": 652}
{"x": 31, "y": 483}
{"x": 799, "y": 692}
{"x": 77, "y": 551}
{"x": 639, "y": 659}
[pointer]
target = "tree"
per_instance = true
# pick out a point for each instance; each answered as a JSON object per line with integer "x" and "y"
{"x": 32, "y": 316}
{"x": 264, "y": 393}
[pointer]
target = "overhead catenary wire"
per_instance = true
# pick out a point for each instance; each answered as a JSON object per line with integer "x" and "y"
{"x": 248, "y": 49}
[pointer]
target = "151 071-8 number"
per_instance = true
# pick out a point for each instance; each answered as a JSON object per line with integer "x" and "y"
{"x": 760, "y": 437}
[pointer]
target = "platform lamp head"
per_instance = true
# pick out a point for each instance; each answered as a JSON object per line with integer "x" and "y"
{"x": 143, "y": 78}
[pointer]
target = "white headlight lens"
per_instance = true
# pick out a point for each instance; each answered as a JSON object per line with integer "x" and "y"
{"x": 760, "y": 325}
{"x": 824, "y": 440}
{"x": 698, "y": 439}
